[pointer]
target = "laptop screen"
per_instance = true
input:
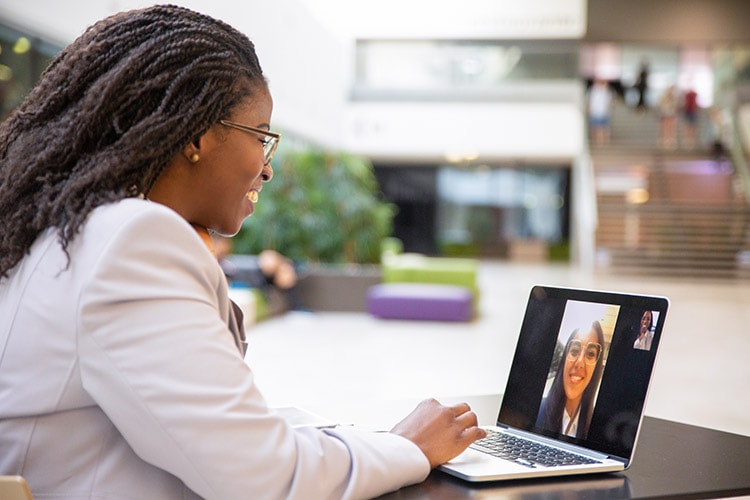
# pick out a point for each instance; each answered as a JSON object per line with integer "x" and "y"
{"x": 582, "y": 367}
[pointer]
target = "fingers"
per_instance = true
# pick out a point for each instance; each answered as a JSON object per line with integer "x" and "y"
{"x": 469, "y": 422}
{"x": 471, "y": 434}
{"x": 464, "y": 415}
{"x": 440, "y": 431}
{"x": 460, "y": 412}
{"x": 460, "y": 408}
{"x": 467, "y": 419}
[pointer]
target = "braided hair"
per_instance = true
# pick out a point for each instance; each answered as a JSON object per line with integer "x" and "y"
{"x": 110, "y": 112}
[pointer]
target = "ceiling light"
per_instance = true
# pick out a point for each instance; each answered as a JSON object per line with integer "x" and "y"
{"x": 22, "y": 45}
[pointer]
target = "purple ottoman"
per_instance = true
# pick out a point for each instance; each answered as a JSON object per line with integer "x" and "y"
{"x": 423, "y": 301}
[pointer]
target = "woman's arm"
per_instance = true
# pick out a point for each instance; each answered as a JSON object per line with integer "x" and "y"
{"x": 158, "y": 358}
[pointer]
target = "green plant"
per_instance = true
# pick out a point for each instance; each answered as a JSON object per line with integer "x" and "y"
{"x": 320, "y": 206}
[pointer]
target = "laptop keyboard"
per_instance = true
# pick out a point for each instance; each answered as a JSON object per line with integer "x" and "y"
{"x": 528, "y": 453}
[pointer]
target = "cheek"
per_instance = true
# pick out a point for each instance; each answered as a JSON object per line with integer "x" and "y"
{"x": 243, "y": 176}
{"x": 250, "y": 169}
{"x": 243, "y": 164}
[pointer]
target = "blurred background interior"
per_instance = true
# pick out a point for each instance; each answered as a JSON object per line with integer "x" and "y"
{"x": 472, "y": 127}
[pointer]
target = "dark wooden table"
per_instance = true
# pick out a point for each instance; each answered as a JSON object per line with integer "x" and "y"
{"x": 672, "y": 460}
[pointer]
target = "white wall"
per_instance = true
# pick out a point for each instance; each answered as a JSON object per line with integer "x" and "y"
{"x": 57, "y": 22}
{"x": 430, "y": 130}
{"x": 307, "y": 66}
{"x": 538, "y": 131}
{"x": 468, "y": 19}
{"x": 306, "y": 50}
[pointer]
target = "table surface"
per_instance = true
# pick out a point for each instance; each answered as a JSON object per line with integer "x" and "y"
{"x": 672, "y": 460}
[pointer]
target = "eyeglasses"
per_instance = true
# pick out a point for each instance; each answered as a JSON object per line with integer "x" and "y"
{"x": 591, "y": 351}
{"x": 270, "y": 143}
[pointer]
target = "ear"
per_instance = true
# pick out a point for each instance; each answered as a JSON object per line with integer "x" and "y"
{"x": 192, "y": 150}
{"x": 200, "y": 146}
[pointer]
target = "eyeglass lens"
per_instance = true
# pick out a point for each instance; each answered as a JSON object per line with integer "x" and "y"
{"x": 269, "y": 147}
{"x": 591, "y": 351}
{"x": 270, "y": 142}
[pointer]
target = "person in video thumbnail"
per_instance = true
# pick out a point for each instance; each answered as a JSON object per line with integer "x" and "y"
{"x": 569, "y": 404}
{"x": 645, "y": 335}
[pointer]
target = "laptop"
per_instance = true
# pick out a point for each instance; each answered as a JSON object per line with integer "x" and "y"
{"x": 576, "y": 390}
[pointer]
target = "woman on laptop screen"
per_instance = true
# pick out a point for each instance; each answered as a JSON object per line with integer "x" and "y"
{"x": 569, "y": 404}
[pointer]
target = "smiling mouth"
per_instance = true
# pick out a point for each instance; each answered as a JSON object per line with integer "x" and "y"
{"x": 575, "y": 379}
{"x": 252, "y": 196}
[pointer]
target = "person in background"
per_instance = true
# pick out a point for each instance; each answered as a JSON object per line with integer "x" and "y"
{"x": 270, "y": 272}
{"x": 599, "y": 108}
{"x": 122, "y": 373}
{"x": 668, "y": 108}
{"x": 720, "y": 130}
{"x": 641, "y": 86}
{"x": 689, "y": 117}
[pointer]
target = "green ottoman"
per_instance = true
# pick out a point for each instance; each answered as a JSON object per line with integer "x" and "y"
{"x": 418, "y": 268}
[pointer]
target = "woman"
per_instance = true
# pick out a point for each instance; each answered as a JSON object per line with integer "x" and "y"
{"x": 569, "y": 404}
{"x": 122, "y": 371}
{"x": 643, "y": 341}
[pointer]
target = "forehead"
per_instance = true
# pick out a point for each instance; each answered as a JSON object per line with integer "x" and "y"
{"x": 255, "y": 108}
{"x": 586, "y": 335}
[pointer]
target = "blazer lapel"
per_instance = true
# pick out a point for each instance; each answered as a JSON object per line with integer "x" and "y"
{"x": 236, "y": 318}
{"x": 237, "y": 327}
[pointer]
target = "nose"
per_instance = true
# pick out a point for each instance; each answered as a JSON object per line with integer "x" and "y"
{"x": 579, "y": 359}
{"x": 267, "y": 173}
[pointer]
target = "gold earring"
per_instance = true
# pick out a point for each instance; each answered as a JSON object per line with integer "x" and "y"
{"x": 194, "y": 158}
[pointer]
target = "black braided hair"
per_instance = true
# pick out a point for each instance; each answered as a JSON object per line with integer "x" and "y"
{"x": 109, "y": 113}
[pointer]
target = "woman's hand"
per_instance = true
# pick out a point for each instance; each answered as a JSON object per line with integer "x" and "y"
{"x": 441, "y": 432}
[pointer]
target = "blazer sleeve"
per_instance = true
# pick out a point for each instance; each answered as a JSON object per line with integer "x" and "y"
{"x": 157, "y": 356}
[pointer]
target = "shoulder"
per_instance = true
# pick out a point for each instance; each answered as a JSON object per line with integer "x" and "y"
{"x": 133, "y": 211}
{"x": 137, "y": 237}
{"x": 135, "y": 221}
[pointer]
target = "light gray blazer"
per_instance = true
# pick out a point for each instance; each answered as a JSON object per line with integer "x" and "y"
{"x": 120, "y": 378}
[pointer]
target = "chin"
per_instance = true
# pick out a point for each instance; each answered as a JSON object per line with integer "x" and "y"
{"x": 229, "y": 234}
{"x": 228, "y": 231}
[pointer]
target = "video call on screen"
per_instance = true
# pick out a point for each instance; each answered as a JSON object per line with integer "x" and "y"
{"x": 603, "y": 346}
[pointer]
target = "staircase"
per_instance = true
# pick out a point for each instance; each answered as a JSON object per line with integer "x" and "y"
{"x": 677, "y": 213}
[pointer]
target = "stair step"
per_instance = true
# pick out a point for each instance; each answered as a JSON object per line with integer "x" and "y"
{"x": 674, "y": 257}
{"x": 696, "y": 221}
{"x": 694, "y": 273}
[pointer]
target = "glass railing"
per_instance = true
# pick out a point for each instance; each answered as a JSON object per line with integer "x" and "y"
{"x": 465, "y": 69}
